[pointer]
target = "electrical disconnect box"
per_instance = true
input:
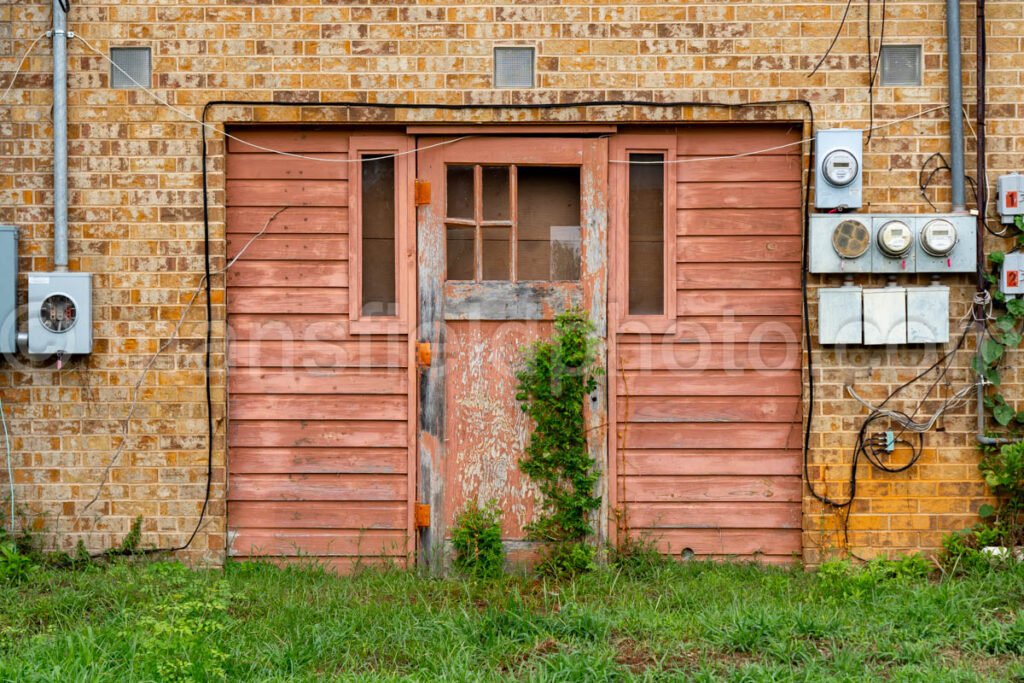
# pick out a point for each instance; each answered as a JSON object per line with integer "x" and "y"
{"x": 1011, "y": 280}
{"x": 840, "y": 315}
{"x": 1010, "y": 197}
{"x": 928, "y": 315}
{"x": 892, "y": 243}
{"x": 884, "y": 316}
{"x": 8, "y": 288}
{"x": 59, "y": 313}
{"x": 838, "y": 169}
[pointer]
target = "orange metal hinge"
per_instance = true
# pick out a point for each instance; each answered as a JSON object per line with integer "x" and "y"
{"x": 422, "y": 192}
{"x": 422, "y": 515}
{"x": 423, "y": 354}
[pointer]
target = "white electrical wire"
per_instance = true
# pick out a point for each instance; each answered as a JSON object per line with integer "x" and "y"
{"x": 10, "y": 467}
{"x": 163, "y": 347}
{"x": 959, "y": 398}
{"x": 21, "y": 64}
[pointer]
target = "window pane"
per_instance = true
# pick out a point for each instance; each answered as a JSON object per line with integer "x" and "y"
{"x": 460, "y": 253}
{"x": 496, "y": 254}
{"x": 496, "y": 205}
{"x": 646, "y": 234}
{"x": 549, "y": 223}
{"x": 378, "y": 239}
{"x": 460, "y": 192}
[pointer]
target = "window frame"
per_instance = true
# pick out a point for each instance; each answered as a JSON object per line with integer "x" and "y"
{"x": 622, "y": 146}
{"x": 405, "y": 221}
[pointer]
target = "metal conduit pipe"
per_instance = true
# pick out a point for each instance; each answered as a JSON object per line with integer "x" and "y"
{"x": 956, "y": 105}
{"x": 60, "y": 137}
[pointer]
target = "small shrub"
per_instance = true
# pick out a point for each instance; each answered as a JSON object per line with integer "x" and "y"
{"x": 476, "y": 538}
{"x": 567, "y": 559}
{"x": 14, "y": 565}
{"x": 636, "y": 556}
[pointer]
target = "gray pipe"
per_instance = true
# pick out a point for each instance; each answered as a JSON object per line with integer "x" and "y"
{"x": 956, "y": 105}
{"x": 60, "y": 137}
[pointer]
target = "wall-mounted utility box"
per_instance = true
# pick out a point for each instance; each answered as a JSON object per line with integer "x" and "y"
{"x": 840, "y": 315}
{"x": 1010, "y": 197}
{"x": 892, "y": 243}
{"x": 838, "y": 176}
{"x": 885, "y": 316}
{"x": 8, "y": 288}
{"x": 59, "y": 313}
{"x": 1011, "y": 280}
{"x": 928, "y": 315}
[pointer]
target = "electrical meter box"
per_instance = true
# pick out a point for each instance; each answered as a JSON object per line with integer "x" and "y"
{"x": 885, "y": 316}
{"x": 838, "y": 173}
{"x": 946, "y": 243}
{"x": 1010, "y": 197}
{"x": 928, "y": 315}
{"x": 8, "y": 288}
{"x": 840, "y": 316}
{"x": 893, "y": 239}
{"x": 1011, "y": 280}
{"x": 59, "y": 313}
{"x": 839, "y": 243}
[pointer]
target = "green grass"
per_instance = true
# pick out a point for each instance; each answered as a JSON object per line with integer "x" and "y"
{"x": 694, "y": 621}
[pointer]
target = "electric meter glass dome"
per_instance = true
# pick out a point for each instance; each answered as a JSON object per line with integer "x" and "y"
{"x": 895, "y": 239}
{"x": 851, "y": 239}
{"x": 840, "y": 167}
{"x": 58, "y": 313}
{"x": 938, "y": 237}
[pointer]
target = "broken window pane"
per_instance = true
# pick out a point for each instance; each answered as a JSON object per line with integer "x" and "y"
{"x": 460, "y": 253}
{"x": 378, "y": 236}
{"x": 549, "y": 223}
{"x": 646, "y": 234}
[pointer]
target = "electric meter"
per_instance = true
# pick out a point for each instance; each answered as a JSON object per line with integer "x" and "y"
{"x": 57, "y": 313}
{"x": 840, "y": 167}
{"x": 895, "y": 239}
{"x": 938, "y": 237}
{"x": 851, "y": 239}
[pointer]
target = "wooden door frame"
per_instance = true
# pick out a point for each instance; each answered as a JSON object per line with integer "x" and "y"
{"x": 431, "y": 265}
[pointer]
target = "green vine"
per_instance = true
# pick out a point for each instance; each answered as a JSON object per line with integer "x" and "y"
{"x": 1006, "y": 335}
{"x": 553, "y": 388}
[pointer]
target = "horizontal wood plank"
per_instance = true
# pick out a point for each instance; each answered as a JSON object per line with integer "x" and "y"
{"x": 305, "y": 220}
{"x": 712, "y": 489}
{"x": 292, "y": 139}
{"x": 335, "y": 381}
{"x": 750, "y": 515}
{"x": 295, "y": 542}
{"x": 738, "y": 138}
{"x": 315, "y": 355}
{"x": 738, "y": 330}
{"x": 695, "y": 463}
{"x": 660, "y": 435}
{"x": 749, "y": 276}
{"x": 302, "y": 434}
{"x": 765, "y": 195}
{"x": 318, "y": 461}
{"x": 714, "y": 383}
{"x": 306, "y": 487}
{"x": 260, "y": 166}
{"x": 317, "y": 515}
{"x": 738, "y": 250}
{"x": 318, "y": 407}
{"x": 729, "y": 542}
{"x": 289, "y": 300}
{"x": 289, "y": 247}
{"x": 749, "y": 169}
{"x": 738, "y": 302}
{"x": 284, "y": 327}
{"x": 287, "y": 192}
{"x": 708, "y": 409}
{"x": 739, "y": 221}
{"x": 668, "y": 355}
{"x": 288, "y": 274}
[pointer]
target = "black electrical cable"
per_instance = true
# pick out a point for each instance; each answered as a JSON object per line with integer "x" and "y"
{"x": 873, "y": 73}
{"x": 65, "y": 5}
{"x": 922, "y": 183}
{"x": 842, "y": 22}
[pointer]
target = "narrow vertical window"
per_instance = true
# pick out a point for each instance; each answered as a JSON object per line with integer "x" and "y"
{"x": 377, "y": 203}
{"x": 646, "y": 218}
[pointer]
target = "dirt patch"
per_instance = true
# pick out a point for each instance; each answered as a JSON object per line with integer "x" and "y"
{"x": 986, "y": 665}
{"x": 638, "y": 657}
{"x": 541, "y": 648}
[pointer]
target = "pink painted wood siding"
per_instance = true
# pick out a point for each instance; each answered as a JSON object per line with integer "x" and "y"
{"x": 708, "y": 420}
{"x": 319, "y": 433}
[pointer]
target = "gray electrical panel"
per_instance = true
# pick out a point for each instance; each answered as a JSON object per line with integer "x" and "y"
{"x": 59, "y": 313}
{"x": 885, "y": 316}
{"x": 928, "y": 315}
{"x": 838, "y": 172}
{"x": 8, "y": 288}
{"x": 1010, "y": 197}
{"x": 840, "y": 315}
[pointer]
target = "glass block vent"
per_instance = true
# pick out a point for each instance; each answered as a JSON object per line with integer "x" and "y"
{"x": 131, "y": 67}
{"x": 513, "y": 67}
{"x": 901, "y": 65}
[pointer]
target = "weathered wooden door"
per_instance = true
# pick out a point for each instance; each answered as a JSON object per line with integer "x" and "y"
{"x": 514, "y": 232}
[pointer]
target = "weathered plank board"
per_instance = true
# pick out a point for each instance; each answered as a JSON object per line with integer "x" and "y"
{"x": 305, "y": 220}
{"x": 670, "y": 355}
{"x": 736, "y": 489}
{"x": 297, "y": 542}
{"x": 265, "y": 166}
{"x": 726, "y": 249}
{"x": 289, "y": 247}
{"x": 289, "y": 274}
{"x": 710, "y": 435}
{"x": 753, "y": 169}
{"x": 738, "y": 302}
{"x": 714, "y": 383}
{"x": 329, "y": 381}
{"x": 319, "y": 407}
{"x": 749, "y": 276}
{"x": 749, "y": 515}
{"x": 288, "y": 139}
{"x": 283, "y": 327}
{"x": 314, "y": 355}
{"x": 707, "y": 409}
{"x": 317, "y": 515}
{"x": 681, "y": 462}
{"x": 302, "y": 434}
{"x": 286, "y": 193}
{"x": 728, "y": 542}
{"x": 708, "y": 140}
{"x": 304, "y": 487}
{"x": 738, "y": 221}
{"x": 318, "y": 461}
{"x": 730, "y": 195}
{"x": 289, "y": 300}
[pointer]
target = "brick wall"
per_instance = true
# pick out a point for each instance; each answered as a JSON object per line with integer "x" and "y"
{"x": 136, "y": 217}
